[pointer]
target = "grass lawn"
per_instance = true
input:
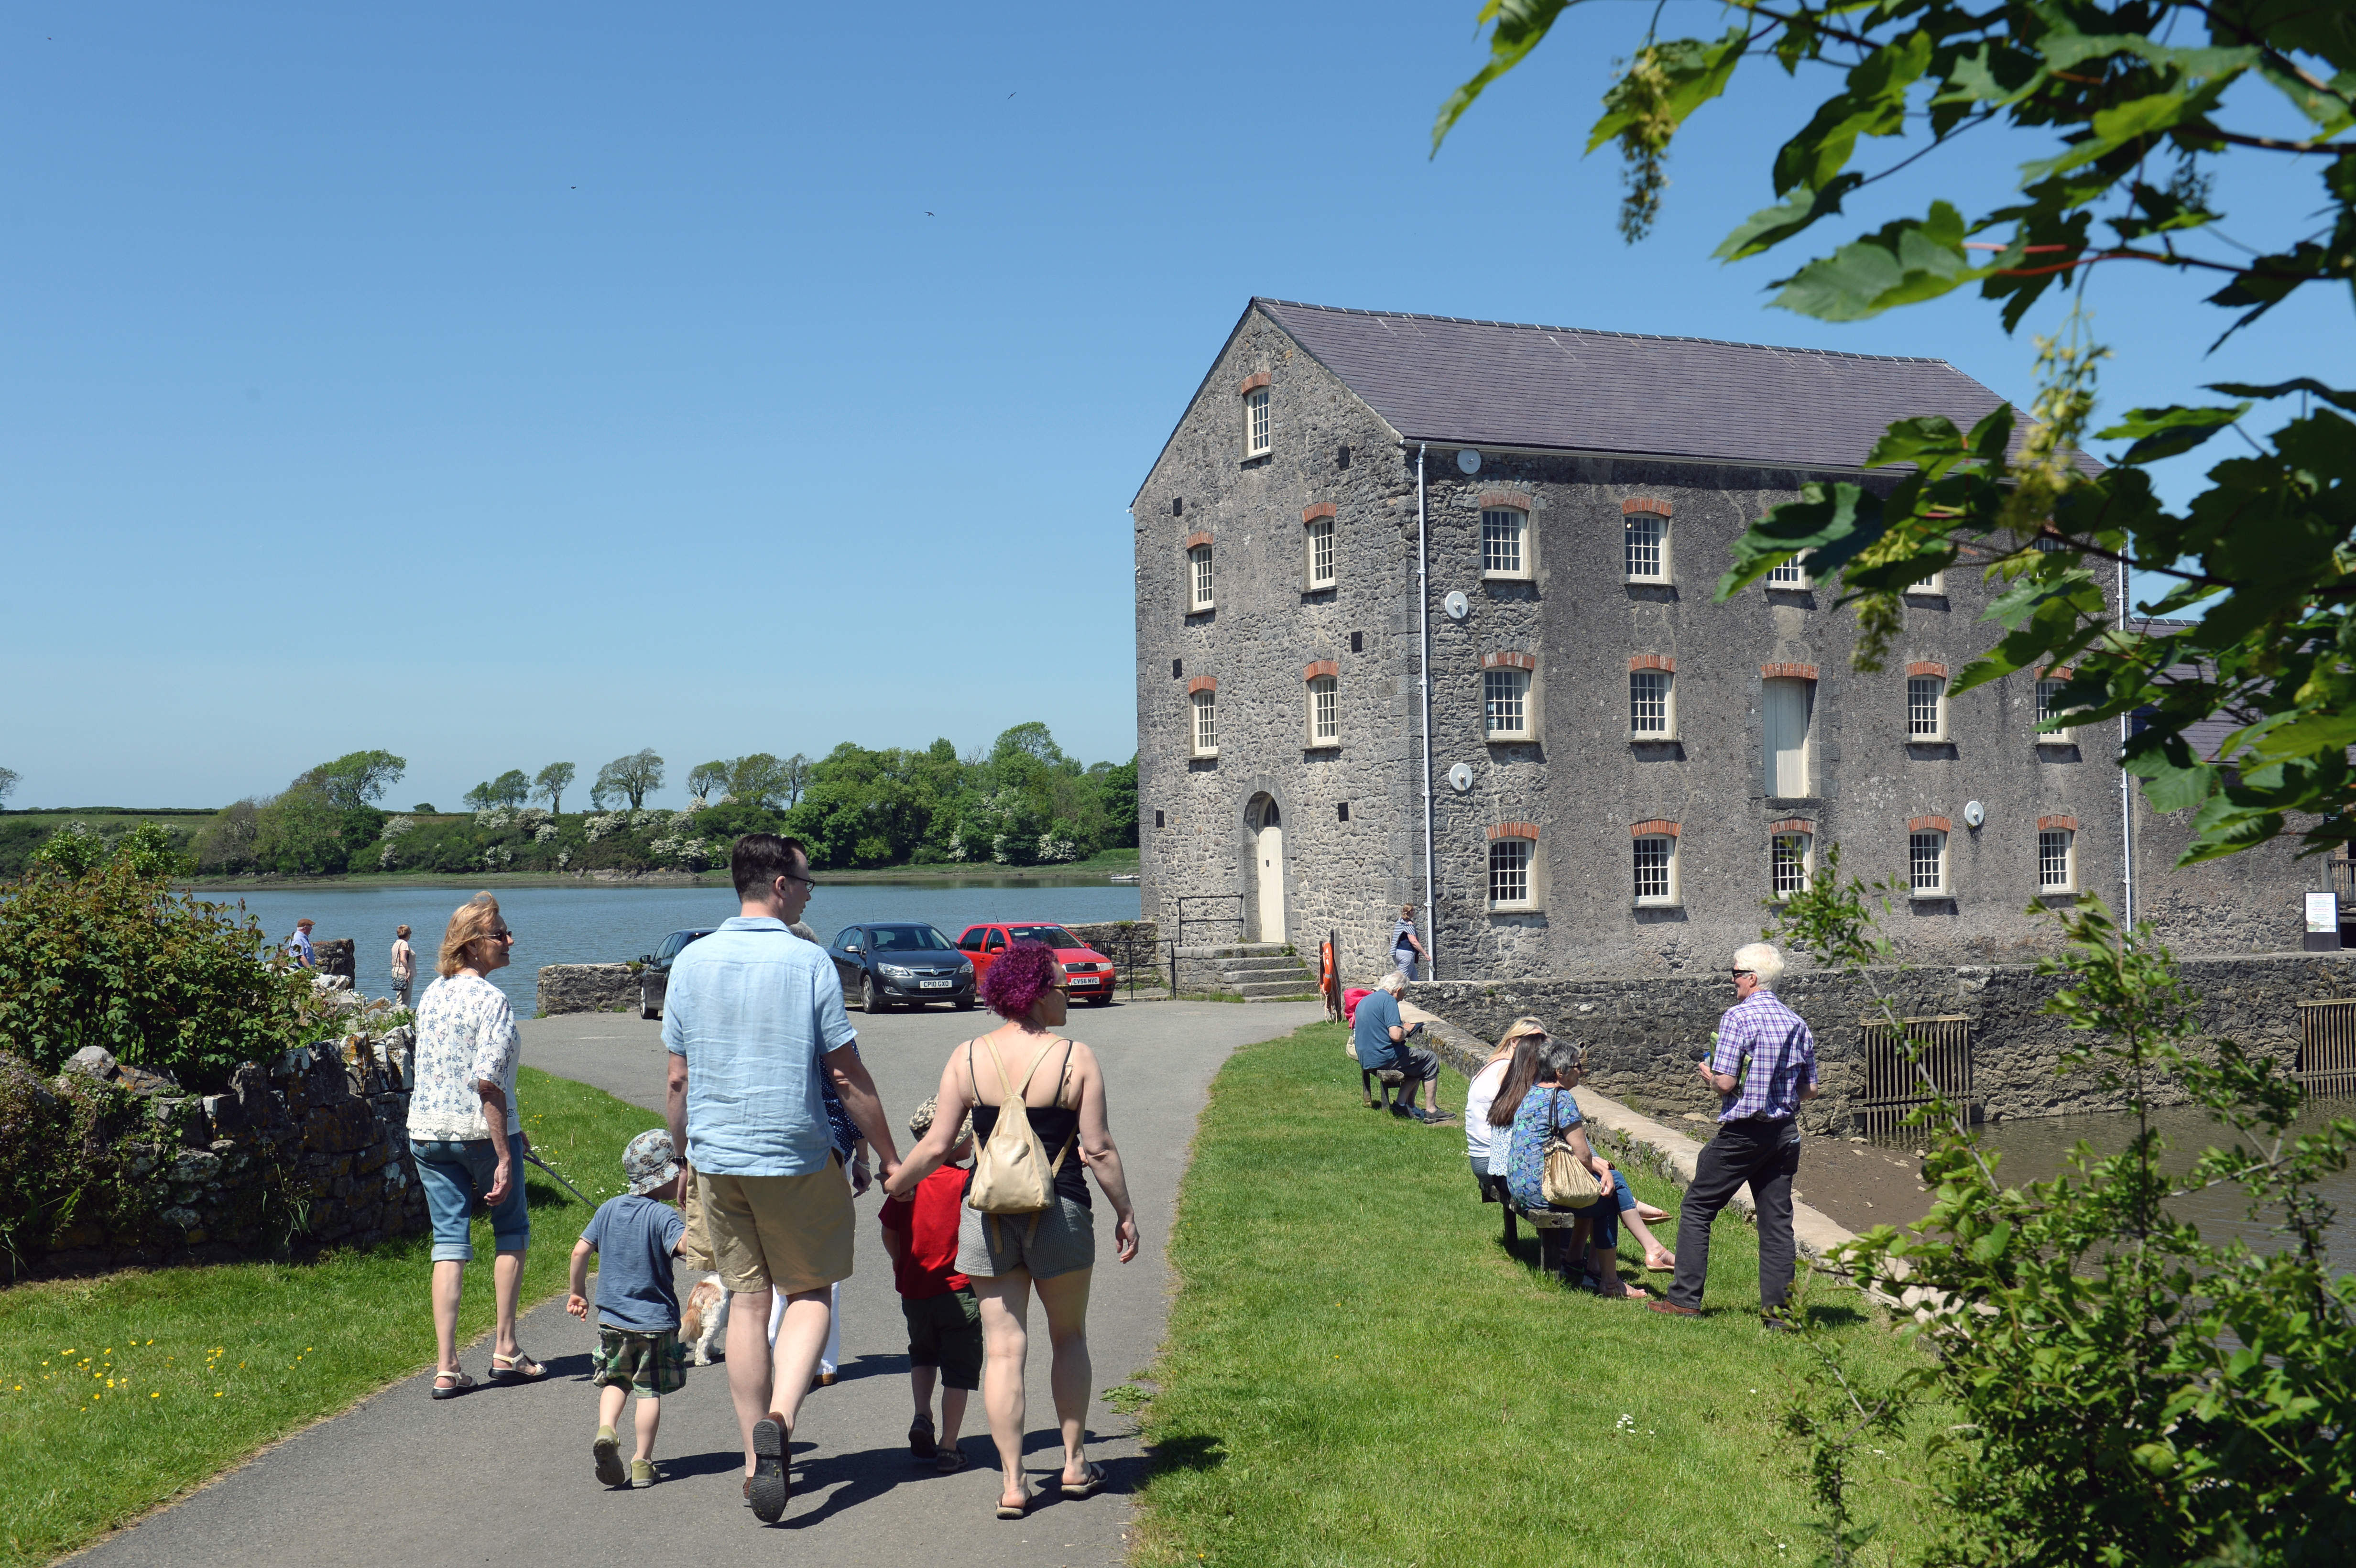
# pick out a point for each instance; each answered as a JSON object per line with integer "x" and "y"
{"x": 124, "y": 1391}
{"x": 1357, "y": 1375}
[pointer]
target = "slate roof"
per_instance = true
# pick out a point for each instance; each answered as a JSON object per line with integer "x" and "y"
{"x": 1474, "y": 383}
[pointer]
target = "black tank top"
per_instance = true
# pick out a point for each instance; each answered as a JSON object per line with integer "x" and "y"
{"x": 1055, "y": 1127}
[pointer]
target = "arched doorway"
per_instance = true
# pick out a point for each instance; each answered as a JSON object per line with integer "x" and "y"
{"x": 1268, "y": 851}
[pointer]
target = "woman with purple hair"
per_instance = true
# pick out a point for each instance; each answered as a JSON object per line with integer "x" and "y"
{"x": 1055, "y": 1252}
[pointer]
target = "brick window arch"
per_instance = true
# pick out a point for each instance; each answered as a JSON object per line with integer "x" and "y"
{"x": 1791, "y": 856}
{"x": 1199, "y": 590}
{"x": 1259, "y": 435}
{"x": 1645, "y": 545}
{"x": 1515, "y": 874}
{"x": 1203, "y": 716}
{"x": 1320, "y": 561}
{"x": 1509, "y": 706}
{"x": 1655, "y": 883}
{"x": 1508, "y": 543}
{"x": 1322, "y": 681}
{"x": 1652, "y": 698}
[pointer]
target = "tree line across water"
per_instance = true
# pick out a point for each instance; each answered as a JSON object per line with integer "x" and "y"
{"x": 1024, "y": 801}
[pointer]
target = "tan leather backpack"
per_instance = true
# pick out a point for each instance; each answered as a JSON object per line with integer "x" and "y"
{"x": 1011, "y": 1173}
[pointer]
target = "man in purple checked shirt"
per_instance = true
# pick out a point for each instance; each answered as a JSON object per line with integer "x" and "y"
{"x": 1758, "y": 1136}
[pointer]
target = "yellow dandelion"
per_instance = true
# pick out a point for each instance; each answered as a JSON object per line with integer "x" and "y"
{"x": 67, "y": 1351}
{"x": 306, "y": 1350}
{"x": 154, "y": 1396}
{"x": 217, "y": 1393}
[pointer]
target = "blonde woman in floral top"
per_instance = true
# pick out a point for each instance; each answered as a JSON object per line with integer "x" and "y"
{"x": 466, "y": 1134}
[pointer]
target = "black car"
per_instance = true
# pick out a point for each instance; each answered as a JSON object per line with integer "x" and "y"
{"x": 654, "y": 974}
{"x": 884, "y": 966}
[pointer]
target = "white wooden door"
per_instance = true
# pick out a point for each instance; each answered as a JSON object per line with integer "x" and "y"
{"x": 1272, "y": 882}
{"x": 1787, "y": 703}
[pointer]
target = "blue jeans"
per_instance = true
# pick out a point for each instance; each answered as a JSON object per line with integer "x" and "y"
{"x": 1603, "y": 1215}
{"x": 455, "y": 1172}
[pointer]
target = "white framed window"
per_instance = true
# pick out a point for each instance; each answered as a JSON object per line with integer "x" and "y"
{"x": 1504, "y": 542}
{"x": 1652, "y": 704}
{"x": 1324, "y": 711}
{"x": 1198, "y": 579}
{"x": 1505, "y": 703}
{"x": 2050, "y": 542}
{"x": 1792, "y": 858}
{"x": 1934, "y": 584}
{"x": 1257, "y": 439}
{"x": 1926, "y": 863}
{"x": 2057, "y": 860}
{"x": 2049, "y": 708}
{"x": 1509, "y": 873}
{"x": 1320, "y": 553}
{"x": 1791, "y": 576}
{"x": 1789, "y": 705}
{"x": 1645, "y": 554}
{"x": 1656, "y": 869}
{"x": 1926, "y": 707}
{"x": 1206, "y": 723}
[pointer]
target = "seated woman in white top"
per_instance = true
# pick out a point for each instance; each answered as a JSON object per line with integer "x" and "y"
{"x": 1483, "y": 1093}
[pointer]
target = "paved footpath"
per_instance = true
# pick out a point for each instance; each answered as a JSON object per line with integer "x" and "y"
{"x": 502, "y": 1476}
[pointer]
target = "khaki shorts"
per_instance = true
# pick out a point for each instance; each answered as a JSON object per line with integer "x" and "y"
{"x": 790, "y": 1232}
{"x": 696, "y": 1254}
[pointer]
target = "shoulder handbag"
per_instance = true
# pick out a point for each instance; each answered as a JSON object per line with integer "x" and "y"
{"x": 1011, "y": 1173}
{"x": 1568, "y": 1182}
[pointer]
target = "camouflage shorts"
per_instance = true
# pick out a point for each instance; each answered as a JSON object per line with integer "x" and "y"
{"x": 652, "y": 1363}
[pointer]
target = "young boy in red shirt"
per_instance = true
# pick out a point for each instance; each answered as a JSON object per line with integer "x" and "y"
{"x": 944, "y": 1323}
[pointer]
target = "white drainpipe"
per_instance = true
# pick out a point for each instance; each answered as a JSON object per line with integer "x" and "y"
{"x": 2126, "y": 785}
{"x": 1423, "y": 657}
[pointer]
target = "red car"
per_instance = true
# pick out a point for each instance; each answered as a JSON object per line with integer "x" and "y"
{"x": 1090, "y": 972}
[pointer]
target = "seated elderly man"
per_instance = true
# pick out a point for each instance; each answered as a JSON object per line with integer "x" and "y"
{"x": 1379, "y": 1036}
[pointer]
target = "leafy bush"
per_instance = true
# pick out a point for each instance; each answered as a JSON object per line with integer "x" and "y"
{"x": 82, "y": 1154}
{"x": 113, "y": 957}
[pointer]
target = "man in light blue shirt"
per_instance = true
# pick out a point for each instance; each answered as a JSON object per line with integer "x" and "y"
{"x": 752, "y": 1017}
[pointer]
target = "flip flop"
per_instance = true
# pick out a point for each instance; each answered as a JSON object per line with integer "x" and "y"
{"x": 1087, "y": 1488}
{"x": 460, "y": 1386}
{"x": 1668, "y": 1267}
{"x": 510, "y": 1369}
{"x": 1016, "y": 1511}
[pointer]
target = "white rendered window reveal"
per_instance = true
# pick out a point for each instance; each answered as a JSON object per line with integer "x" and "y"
{"x": 1932, "y": 584}
{"x": 1509, "y": 872}
{"x": 1325, "y": 710}
{"x": 1198, "y": 561}
{"x": 1503, "y": 551}
{"x": 1505, "y": 700}
{"x": 1206, "y": 723}
{"x": 1257, "y": 439}
{"x": 2057, "y": 860}
{"x": 1926, "y": 707}
{"x": 1320, "y": 553}
{"x": 1926, "y": 864}
{"x": 1656, "y": 870}
{"x": 1651, "y": 714}
{"x": 1647, "y": 549}
{"x": 2049, "y": 708}
{"x": 1792, "y": 856}
{"x": 1791, "y": 576}
{"x": 1788, "y": 705}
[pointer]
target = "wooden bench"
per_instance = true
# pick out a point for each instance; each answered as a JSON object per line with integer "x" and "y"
{"x": 1393, "y": 1081}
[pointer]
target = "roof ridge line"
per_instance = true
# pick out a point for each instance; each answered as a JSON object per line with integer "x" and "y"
{"x": 1605, "y": 332}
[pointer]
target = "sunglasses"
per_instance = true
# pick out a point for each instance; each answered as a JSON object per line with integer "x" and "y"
{"x": 803, "y": 880}
{"x": 1739, "y": 973}
{"x": 503, "y": 934}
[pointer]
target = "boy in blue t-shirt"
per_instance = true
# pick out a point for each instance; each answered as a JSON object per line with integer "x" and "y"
{"x": 635, "y": 1237}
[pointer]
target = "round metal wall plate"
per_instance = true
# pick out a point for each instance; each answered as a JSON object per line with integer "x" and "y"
{"x": 1461, "y": 775}
{"x": 1469, "y": 461}
{"x": 1456, "y": 605}
{"x": 1974, "y": 814}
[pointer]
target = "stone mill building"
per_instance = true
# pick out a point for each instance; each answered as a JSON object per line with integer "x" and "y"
{"x": 1426, "y": 614}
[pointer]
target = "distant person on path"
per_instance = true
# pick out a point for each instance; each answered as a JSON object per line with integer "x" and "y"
{"x": 1407, "y": 948}
{"x": 635, "y": 1237}
{"x": 1763, "y": 1066}
{"x": 1005, "y": 1255}
{"x": 1379, "y": 1036}
{"x": 753, "y": 1018}
{"x": 404, "y": 966}
{"x": 944, "y": 1317}
{"x": 298, "y": 946}
{"x": 466, "y": 1134}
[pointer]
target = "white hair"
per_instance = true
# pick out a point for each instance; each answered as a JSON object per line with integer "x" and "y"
{"x": 1395, "y": 982}
{"x": 1761, "y": 959}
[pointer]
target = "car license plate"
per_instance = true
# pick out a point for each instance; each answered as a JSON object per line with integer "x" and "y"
{"x": 935, "y": 984}
{"x": 1084, "y": 979}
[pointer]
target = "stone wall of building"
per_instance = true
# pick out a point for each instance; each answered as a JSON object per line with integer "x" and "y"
{"x": 307, "y": 1151}
{"x": 586, "y": 988}
{"x": 1645, "y": 1034}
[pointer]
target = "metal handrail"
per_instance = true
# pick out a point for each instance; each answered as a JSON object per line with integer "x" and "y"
{"x": 1182, "y": 900}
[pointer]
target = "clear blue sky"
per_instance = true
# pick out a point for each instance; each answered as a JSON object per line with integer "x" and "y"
{"x": 501, "y": 385}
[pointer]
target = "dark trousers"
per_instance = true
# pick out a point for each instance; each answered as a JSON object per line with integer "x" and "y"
{"x": 1767, "y": 1155}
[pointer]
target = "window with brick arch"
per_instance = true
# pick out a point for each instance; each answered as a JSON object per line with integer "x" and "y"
{"x": 1325, "y": 710}
{"x": 1926, "y": 703}
{"x": 2057, "y": 871}
{"x": 1320, "y": 553}
{"x": 1791, "y": 858}
{"x": 1206, "y": 723}
{"x": 1649, "y": 714}
{"x": 1198, "y": 575}
{"x": 1506, "y": 702}
{"x": 1926, "y": 862}
{"x": 1656, "y": 869}
{"x": 1646, "y": 553}
{"x": 1502, "y": 541}
{"x": 1258, "y": 438}
{"x": 1509, "y": 871}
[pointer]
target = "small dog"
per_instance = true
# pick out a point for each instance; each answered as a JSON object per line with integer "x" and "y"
{"x": 703, "y": 1320}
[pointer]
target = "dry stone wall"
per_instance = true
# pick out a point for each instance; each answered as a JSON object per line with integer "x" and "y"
{"x": 586, "y": 988}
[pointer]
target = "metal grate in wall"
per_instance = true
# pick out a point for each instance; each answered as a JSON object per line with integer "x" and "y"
{"x": 1892, "y": 1086}
{"x": 2327, "y": 1048}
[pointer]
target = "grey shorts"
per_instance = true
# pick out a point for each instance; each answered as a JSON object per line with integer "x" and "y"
{"x": 1065, "y": 1239}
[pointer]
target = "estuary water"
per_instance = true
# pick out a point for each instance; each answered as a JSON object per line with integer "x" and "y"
{"x": 608, "y": 925}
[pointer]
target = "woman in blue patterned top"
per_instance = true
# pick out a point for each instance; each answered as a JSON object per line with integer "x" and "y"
{"x": 1546, "y": 1110}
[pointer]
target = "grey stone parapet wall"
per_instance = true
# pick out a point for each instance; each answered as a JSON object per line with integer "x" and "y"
{"x": 1142, "y": 937}
{"x": 307, "y": 1151}
{"x": 1643, "y": 1036}
{"x": 587, "y": 988}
